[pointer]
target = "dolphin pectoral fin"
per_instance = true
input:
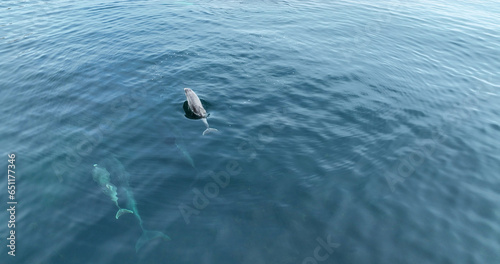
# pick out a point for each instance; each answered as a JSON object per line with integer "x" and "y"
{"x": 123, "y": 211}
{"x": 208, "y": 130}
{"x": 148, "y": 235}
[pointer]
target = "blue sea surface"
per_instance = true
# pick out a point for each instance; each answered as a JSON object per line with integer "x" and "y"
{"x": 348, "y": 131}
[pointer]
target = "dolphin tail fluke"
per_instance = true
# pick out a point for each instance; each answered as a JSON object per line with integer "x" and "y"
{"x": 208, "y": 130}
{"x": 148, "y": 235}
{"x": 123, "y": 211}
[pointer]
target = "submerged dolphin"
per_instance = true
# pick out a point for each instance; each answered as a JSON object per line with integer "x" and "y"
{"x": 131, "y": 204}
{"x": 179, "y": 144}
{"x": 101, "y": 176}
{"x": 146, "y": 234}
{"x": 185, "y": 154}
{"x": 196, "y": 107}
{"x": 131, "y": 207}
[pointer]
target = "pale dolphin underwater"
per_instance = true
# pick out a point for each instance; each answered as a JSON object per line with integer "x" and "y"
{"x": 196, "y": 107}
{"x": 102, "y": 177}
{"x": 123, "y": 176}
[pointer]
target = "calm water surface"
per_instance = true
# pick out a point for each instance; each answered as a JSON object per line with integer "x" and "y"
{"x": 349, "y": 131}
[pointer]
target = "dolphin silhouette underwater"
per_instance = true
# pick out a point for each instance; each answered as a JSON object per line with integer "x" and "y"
{"x": 196, "y": 107}
{"x": 176, "y": 140}
{"x": 102, "y": 177}
{"x": 185, "y": 154}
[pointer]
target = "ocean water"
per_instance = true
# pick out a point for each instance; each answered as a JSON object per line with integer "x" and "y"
{"x": 349, "y": 131}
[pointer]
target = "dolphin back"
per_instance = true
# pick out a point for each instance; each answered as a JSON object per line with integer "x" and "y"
{"x": 121, "y": 175}
{"x": 194, "y": 103}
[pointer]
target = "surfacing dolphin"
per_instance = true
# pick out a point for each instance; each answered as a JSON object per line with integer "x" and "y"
{"x": 131, "y": 206}
{"x": 196, "y": 107}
